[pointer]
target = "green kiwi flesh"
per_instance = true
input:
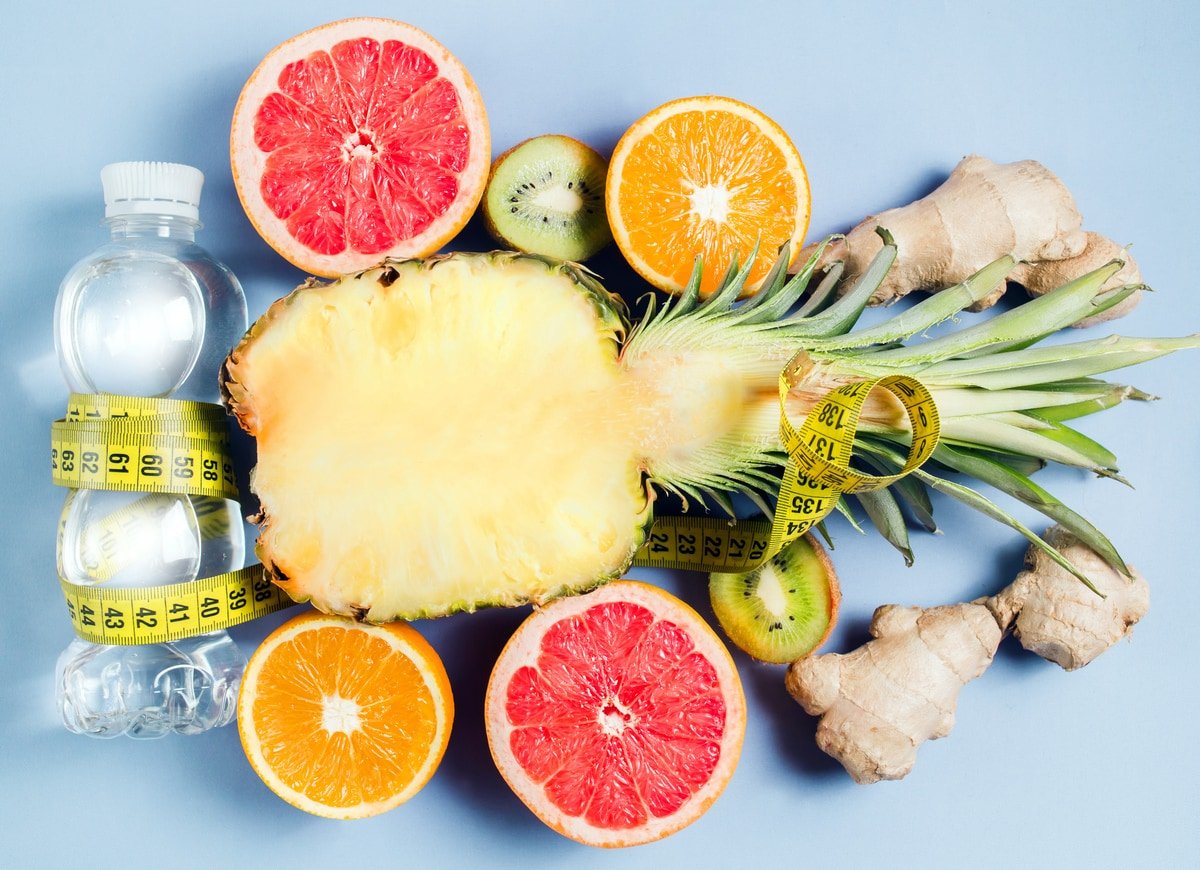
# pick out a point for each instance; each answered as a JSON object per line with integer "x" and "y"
{"x": 546, "y": 196}
{"x": 782, "y": 610}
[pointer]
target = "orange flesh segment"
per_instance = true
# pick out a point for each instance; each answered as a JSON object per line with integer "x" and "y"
{"x": 365, "y": 144}
{"x": 706, "y": 182}
{"x": 389, "y": 717}
{"x": 621, "y": 719}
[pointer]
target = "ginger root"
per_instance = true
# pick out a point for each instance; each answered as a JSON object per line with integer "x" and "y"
{"x": 1040, "y": 278}
{"x": 983, "y": 211}
{"x": 879, "y": 703}
{"x": 1054, "y": 615}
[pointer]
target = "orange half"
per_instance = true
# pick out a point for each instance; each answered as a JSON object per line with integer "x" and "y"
{"x": 709, "y": 177}
{"x": 344, "y": 720}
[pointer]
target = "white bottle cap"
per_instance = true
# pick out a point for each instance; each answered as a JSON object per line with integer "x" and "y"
{"x": 150, "y": 187}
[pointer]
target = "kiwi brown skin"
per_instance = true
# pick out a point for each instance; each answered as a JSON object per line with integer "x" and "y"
{"x": 752, "y": 647}
{"x": 490, "y": 224}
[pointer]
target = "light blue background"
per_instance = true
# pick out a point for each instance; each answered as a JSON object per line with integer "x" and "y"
{"x": 1098, "y": 768}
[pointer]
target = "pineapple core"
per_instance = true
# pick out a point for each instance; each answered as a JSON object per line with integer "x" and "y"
{"x": 434, "y": 438}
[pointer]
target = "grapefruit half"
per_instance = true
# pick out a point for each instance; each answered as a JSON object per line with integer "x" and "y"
{"x": 616, "y": 716}
{"x": 359, "y": 140}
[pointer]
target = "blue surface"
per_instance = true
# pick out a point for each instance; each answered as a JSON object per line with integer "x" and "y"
{"x": 1097, "y": 768}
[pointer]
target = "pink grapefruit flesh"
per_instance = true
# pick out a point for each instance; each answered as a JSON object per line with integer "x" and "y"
{"x": 359, "y": 140}
{"x": 616, "y": 716}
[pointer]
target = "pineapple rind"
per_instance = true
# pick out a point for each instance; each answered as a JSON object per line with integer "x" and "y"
{"x": 232, "y": 392}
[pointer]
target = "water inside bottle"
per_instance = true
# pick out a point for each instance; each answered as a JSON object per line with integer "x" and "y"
{"x": 135, "y": 325}
{"x": 150, "y": 314}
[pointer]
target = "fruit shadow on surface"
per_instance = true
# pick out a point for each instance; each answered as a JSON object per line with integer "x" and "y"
{"x": 615, "y": 274}
{"x": 792, "y": 731}
{"x": 219, "y": 777}
{"x": 469, "y": 645}
{"x": 223, "y": 771}
{"x": 1009, "y": 562}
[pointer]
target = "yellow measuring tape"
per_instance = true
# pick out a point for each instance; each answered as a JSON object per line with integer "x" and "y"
{"x": 816, "y": 474}
{"x": 165, "y": 448}
{"x": 162, "y": 613}
{"x": 142, "y": 445}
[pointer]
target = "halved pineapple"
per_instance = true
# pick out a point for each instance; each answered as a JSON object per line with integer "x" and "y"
{"x": 479, "y": 429}
{"x": 438, "y": 436}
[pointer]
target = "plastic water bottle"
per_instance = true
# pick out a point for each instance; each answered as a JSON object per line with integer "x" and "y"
{"x": 148, "y": 314}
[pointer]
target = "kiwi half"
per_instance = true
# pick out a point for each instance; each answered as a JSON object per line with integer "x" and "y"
{"x": 546, "y": 196}
{"x": 782, "y": 610}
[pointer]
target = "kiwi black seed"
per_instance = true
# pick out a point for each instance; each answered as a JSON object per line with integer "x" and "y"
{"x": 782, "y": 610}
{"x": 546, "y": 196}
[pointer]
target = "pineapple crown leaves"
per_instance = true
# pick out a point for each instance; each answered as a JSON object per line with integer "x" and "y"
{"x": 1004, "y": 401}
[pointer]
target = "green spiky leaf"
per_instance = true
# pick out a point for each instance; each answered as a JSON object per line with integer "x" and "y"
{"x": 1004, "y": 397}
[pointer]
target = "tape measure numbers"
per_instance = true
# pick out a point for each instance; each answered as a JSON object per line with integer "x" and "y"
{"x": 147, "y": 454}
{"x": 165, "y": 448}
{"x": 705, "y": 544}
{"x": 816, "y": 474}
{"x": 158, "y": 614}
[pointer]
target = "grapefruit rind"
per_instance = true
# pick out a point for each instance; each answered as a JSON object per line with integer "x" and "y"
{"x": 646, "y": 125}
{"x": 403, "y": 639}
{"x": 249, "y": 162}
{"x": 523, "y": 649}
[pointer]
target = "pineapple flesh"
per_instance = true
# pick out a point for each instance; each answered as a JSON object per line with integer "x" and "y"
{"x": 486, "y": 429}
